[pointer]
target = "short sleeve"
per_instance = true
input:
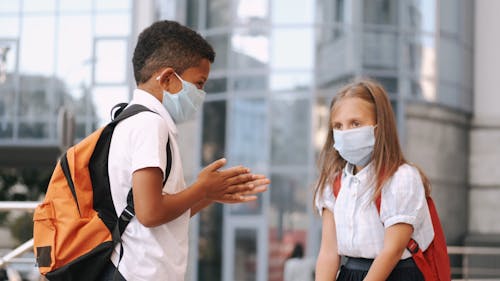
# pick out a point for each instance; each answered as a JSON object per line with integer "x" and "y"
{"x": 403, "y": 198}
{"x": 148, "y": 140}
{"x": 325, "y": 199}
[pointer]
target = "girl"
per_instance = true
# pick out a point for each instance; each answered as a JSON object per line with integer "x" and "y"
{"x": 362, "y": 151}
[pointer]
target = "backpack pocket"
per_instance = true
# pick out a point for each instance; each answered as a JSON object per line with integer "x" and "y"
{"x": 44, "y": 236}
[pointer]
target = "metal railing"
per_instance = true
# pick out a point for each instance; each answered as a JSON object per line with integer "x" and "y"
{"x": 13, "y": 256}
{"x": 465, "y": 270}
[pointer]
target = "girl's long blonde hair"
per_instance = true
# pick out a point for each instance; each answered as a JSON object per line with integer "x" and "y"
{"x": 387, "y": 154}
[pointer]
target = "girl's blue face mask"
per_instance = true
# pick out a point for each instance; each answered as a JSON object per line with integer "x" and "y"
{"x": 183, "y": 106}
{"x": 355, "y": 145}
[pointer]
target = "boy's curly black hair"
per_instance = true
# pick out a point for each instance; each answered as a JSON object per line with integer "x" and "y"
{"x": 168, "y": 44}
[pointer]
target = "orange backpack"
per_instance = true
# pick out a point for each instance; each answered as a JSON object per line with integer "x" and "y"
{"x": 76, "y": 227}
{"x": 434, "y": 262}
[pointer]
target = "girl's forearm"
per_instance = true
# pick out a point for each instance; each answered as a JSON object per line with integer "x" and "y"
{"x": 327, "y": 267}
{"x": 383, "y": 265}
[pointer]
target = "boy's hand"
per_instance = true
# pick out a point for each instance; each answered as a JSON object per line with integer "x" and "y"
{"x": 231, "y": 184}
{"x": 259, "y": 186}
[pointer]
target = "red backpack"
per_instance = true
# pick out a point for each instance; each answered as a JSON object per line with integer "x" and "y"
{"x": 434, "y": 262}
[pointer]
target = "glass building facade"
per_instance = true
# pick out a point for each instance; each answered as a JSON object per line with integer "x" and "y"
{"x": 278, "y": 65}
{"x": 61, "y": 54}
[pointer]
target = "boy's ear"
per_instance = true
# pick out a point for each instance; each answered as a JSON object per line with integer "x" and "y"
{"x": 164, "y": 76}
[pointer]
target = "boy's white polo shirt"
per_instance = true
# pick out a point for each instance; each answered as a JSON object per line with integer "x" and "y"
{"x": 156, "y": 253}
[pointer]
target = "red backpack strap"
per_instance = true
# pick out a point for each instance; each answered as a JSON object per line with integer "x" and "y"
{"x": 336, "y": 184}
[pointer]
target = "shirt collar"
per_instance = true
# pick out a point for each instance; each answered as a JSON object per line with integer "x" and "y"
{"x": 145, "y": 98}
{"x": 365, "y": 175}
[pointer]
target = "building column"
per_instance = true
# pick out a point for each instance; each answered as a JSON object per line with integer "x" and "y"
{"x": 484, "y": 221}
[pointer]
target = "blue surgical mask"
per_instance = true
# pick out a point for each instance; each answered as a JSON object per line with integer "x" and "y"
{"x": 355, "y": 145}
{"x": 183, "y": 106}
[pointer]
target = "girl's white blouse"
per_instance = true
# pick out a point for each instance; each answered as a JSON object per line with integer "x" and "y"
{"x": 360, "y": 228}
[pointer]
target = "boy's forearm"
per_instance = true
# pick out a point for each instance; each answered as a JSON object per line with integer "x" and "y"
{"x": 153, "y": 210}
{"x": 200, "y": 206}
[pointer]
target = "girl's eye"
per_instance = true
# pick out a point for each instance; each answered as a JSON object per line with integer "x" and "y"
{"x": 337, "y": 126}
{"x": 356, "y": 124}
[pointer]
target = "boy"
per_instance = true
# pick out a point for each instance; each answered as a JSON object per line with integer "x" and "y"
{"x": 171, "y": 65}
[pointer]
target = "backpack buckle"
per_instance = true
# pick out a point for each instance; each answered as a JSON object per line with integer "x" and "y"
{"x": 127, "y": 214}
{"x": 413, "y": 247}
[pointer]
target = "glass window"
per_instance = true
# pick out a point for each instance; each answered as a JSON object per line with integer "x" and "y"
{"x": 8, "y": 55}
{"x": 10, "y": 6}
{"x": 214, "y": 132}
{"x": 321, "y": 121}
{"x": 245, "y": 260}
{"x": 74, "y": 50}
{"x": 37, "y": 48}
{"x": 451, "y": 60}
{"x": 248, "y": 132}
{"x": 110, "y": 61}
{"x": 7, "y": 102}
{"x": 218, "y": 13}
{"x": 76, "y": 6}
{"x": 292, "y": 48}
{"x": 379, "y": 49}
{"x": 390, "y": 84}
{"x": 421, "y": 14}
{"x": 251, "y": 11}
{"x": 424, "y": 88}
{"x": 193, "y": 13}
{"x": 216, "y": 85}
{"x": 292, "y": 11}
{"x": 39, "y": 6}
{"x": 449, "y": 16}
{"x": 210, "y": 243}
{"x": 288, "y": 218}
{"x": 112, "y": 5}
{"x": 250, "y": 83}
{"x": 35, "y": 96}
{"x": 37, "y": 130}
{"x": 250, "y": 49}
{"x": 421, "y": 55}
{"x": 380, "y": 12}
{"x": 13, "y": 26}
{"x": 219, "y": 44}
{"x": 339, "y": 11}
{"x": 112, "y": 24}
{"x": 6, "y": 128}
{"x": 291, "y": 81}
{"x": 104, "y": 98}
{"x": 290, "y": 130}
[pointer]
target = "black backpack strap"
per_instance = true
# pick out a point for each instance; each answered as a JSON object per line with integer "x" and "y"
{"x": 128, "y": 112}
{"x": 117, "y": 109}
{"x": 129, "y": 212}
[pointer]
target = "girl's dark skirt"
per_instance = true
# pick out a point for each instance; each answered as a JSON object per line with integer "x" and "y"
{"x": 355, "y": 269}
